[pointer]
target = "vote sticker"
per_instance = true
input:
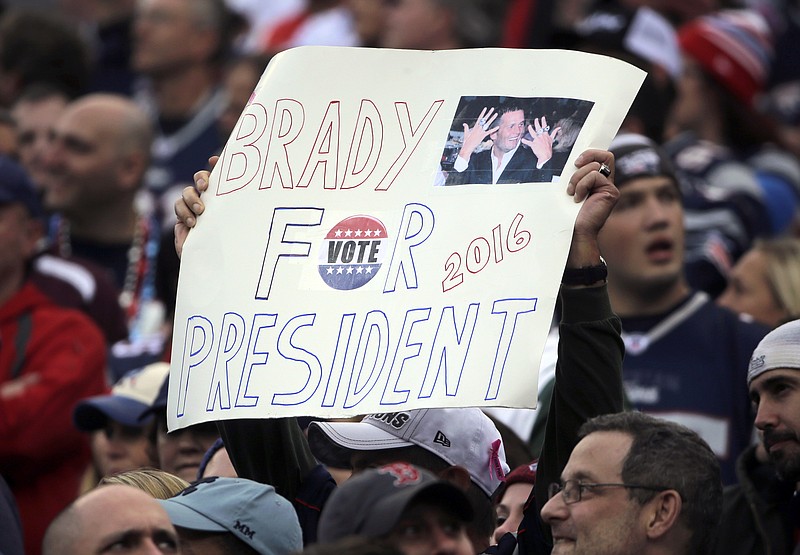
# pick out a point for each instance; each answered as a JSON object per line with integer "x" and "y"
{"x": 352, "y": 252}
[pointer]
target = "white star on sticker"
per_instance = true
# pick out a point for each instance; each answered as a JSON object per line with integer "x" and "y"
{"x": 348, "y": 233}
{"x": 338, "y": 233}
{"x": 330, "y": 270}
{"x": 339, "y": 270}
{"x": 368, "y": 233}
{"x": 350, "y": 270}
{"x": 359, "y": 270}
{"x": 369, "y": 269}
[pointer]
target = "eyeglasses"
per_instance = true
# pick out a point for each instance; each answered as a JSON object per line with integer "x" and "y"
{"x": 572, "y": 490}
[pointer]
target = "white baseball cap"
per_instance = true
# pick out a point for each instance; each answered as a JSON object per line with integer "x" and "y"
{"x": 464, "y": 436}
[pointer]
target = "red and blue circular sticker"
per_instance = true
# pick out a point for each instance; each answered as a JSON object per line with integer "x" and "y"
{"x": 352, "y": 252}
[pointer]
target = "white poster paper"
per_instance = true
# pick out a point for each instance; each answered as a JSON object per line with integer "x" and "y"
{"x": 348, "y": 263}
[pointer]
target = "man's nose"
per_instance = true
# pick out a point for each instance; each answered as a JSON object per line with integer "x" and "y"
{"x": 766, "y": 416}
{"x": 554, "y": 509}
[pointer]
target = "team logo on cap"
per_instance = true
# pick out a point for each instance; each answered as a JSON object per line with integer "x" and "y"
{"x": 404, "y": 474}
{"x": 352, "y": 252}
{"x": 757, "y": 362}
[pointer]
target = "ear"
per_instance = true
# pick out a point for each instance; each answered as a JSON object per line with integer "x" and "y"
{"x": 132, "y": 168}
{"x": 457, "y": 475}
{"x": 663, "y": 513}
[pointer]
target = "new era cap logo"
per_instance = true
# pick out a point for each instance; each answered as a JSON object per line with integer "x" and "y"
{"x": 441, "y": 439}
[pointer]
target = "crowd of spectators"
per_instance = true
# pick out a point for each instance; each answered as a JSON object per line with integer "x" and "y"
{"x": 685, "y": 259}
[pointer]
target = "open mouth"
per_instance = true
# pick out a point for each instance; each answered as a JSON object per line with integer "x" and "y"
{"x": 660, "y": 250}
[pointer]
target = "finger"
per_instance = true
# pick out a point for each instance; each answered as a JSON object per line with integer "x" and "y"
{"x": 190, "y": 198}
{"x": 555, "y": 133}
{"x": 537, "y": 126}
{"x": 213, "y": 161}
{"x": 588, "y": 179}
{"x": 490, "y": 119}
{"x": 544, "y": 122}
{"x": 201, "y": 180}
{"x": 181, "y": 231}
{"x": 581, "y": 185}
{"x": 184, "y": 214}
{"x": 596, "y": 155}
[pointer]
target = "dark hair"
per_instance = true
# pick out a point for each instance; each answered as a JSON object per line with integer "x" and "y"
{"x": 509, "y": 105}
{"x": 39, "y": 47}
{"x": 743, "y": 127}
{"x": 226, "y": 22}
{"x": 668, "y": 455}
{"x": 353, "y": 545}
{"x": 40, "y": 91}
{"x": 225, "y": 541}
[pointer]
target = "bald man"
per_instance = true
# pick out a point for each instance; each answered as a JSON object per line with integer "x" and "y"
{"x": 115, "y": 518}
{"x": 96, "y": 161}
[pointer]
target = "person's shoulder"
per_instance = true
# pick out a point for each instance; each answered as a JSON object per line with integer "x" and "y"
{"x": 733, "y": 328}
{"x": 59, "y": 321}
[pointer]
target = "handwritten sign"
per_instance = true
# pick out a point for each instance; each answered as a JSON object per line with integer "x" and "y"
{"x": 358, "y": 255}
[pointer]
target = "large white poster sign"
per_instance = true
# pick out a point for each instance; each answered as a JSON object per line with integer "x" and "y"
{"x": 348, "y": 262}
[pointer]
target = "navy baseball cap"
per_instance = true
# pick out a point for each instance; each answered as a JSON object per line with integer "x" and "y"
{"x": 131, "y": 395}
{"x": 17, "y": 187}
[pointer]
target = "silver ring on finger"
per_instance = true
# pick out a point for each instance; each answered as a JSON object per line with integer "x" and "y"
{"x": 605, "y": 170}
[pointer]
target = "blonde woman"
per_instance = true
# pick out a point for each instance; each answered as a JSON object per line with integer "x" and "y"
{"x": 157, "y": 483}
{"x": 765, "y": 282}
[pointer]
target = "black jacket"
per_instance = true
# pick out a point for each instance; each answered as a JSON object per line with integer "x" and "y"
{"x": 756, "y": 511}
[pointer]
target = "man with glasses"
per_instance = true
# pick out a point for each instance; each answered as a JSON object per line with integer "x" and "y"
{"x": 636, "y": 485}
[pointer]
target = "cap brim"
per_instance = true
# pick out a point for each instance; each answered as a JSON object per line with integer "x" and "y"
{"x": 187, "y": 517}
{"x": 385, "y": 515}
{"x": 334, "y": 442}
{"x": 93, "y": 413}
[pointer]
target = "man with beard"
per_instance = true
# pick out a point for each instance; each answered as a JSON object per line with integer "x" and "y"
{"x": 761, "y": 514}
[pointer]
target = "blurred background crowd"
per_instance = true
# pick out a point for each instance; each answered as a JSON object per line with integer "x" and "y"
{"x": 108, "y": 107}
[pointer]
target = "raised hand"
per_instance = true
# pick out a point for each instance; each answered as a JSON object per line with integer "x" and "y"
{"x": 542, "y": 143}
{"x": 189, "y": 206}
{"x": 599, "y": 195}
{"x": 475, "y": 135}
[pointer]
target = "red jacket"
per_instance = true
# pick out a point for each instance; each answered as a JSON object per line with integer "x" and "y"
{"x": 59, "y": 360}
